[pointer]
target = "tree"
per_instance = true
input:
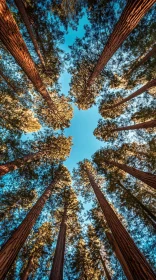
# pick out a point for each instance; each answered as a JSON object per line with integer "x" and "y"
{"x": 129, "y": 19}
{"x": 133, "y": 257}
{"x": 107, "y": 130}
{"x": 11, "y": 248}
{"x": 105, "y": 157}
{"x": 68, "y": 217}
{"x": 13, "y": 41}
{"x": 105, "y": 109}
{"x": 55, "y": 148}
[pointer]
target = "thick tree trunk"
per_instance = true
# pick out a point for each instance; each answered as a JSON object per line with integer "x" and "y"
{"x": 136, "y": 93}
{"x": 136, "y": 262}
{"x": 105, "y": 268}
{"x": 144, "y": 125}
{"x": 142, "y": 60}
{"x": 23, "y": 13}
{"x": 13, "y": 41}
{"x": 145, "y": 177}
{"x": 57, "y": 267}
{"x": 26, "y": 271}
{"x": 131, "y": 16}
{"x": 13, "y": 165}
{"x": 146, "y": 211}
{"x": 11, "y": 248}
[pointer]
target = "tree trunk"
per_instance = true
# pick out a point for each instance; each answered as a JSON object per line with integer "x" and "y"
{"x": 26, "y": 271}
{"x": 135, "y": 261}
{"x": 142, "y": 60}
{"x": 11, "y": 248}
{"x": 17, "y": 163}
{"x": 131, "y": 16}
{"x": 146, "y": 211}
{"x": 136, "y": 93}
{"x": 119, "y": 255}
{"x": 57, "y": 267}
{"x": 25, "y": 18}
{"x": 13, "y": 41}
{"x": 144, "y": 125}
{"x": 8, "y": 82}
{"x": 145, "y": 177}
{"x": 105, "y": 269}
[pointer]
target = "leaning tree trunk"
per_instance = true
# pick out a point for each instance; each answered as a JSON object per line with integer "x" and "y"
{"x": 8, "y": 82}
{"x": 142, "y": 60}
{"x": 146, "y": 211}
{"x": 57, "y": 267}
{"x": 136, "y": 262}
{"x": 13, "y": 165}
{"x": 26, "y": 271}
{"x": 105, "y": 268}
{"x": 145, "y": 177}
{"x": 118, "y": 254}
{"x": 131, "y": 16}
{"x": 136, "y": 93}
{"x": 12, "y": 247}
{"x": 23, "y": 13}
{"x": 13, "y": 41}
{"x": 144, "y": 125}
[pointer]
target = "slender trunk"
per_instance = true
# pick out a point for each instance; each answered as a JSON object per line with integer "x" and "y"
{"x": 136, "y": 93}
{"x": 10, "y": 84}
{"x": 142, "y": 60}
{"x": 145, "y": 177}
{"x": 147, "y": 212}
{"x": 136, "y": 262}
{"x": 26, "y": 271}
{"x": 105, "y": 269}
{"x": 57, "y": 267}
{"x": 144, "y": 125}
{"x": 13, "y": 41}
{"x": 13, "y": 165}
{"x": 25, "y": 18}
{"x": 119, "y": 255}
{"x": 131, "y": 16}
{"x": 11, "y": 248}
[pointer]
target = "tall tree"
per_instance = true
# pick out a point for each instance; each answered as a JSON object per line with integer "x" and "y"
{"x": 11, "y": 248}
{"x": 13, "y": 41}
{"x": 136, "y": 262}
{"x": 57, "y": 148}
{"x": 132, "y": 14}
{"x": 105, "y": 157}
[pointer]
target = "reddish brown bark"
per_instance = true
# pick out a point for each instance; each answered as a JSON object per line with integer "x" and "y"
{"x": 23, "y": 13}
{"x": 105, "y": 269}
{"x": 13, "y": 41}
{"x": 145, "y": 177}
{"x": 136, "y": 93}
{"x": 57, "y": 267}
{"x": 13, "y": 165}
{"x": 26, "y": 271}
{"x": 131, "y": 16}
{"x": 135, "y": 261}
{"x": 144, "y": 125}
{"x": 11, "y": 248}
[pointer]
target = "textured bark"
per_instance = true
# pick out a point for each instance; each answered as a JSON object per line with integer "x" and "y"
{"x": 26, "y": 271}
{"x": 13, "y": 165}
{"x": 131, "y": 16}
{"x": 146, "y": 211}
{"x": 145, "y": 177}
{"x": 57, "y": 267}
{"x": 133, "y": 95}
{"x": 105, "y": 269}
{"x": 25, "y": 18}
{"x": 144, "y": 125}
{"x": 11, "y": 248}
{"x": 135, "y": 261}
{"x": 10, "y": 84}
{"x": 13, "y": 41}
{"x": 142, "y": 60}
